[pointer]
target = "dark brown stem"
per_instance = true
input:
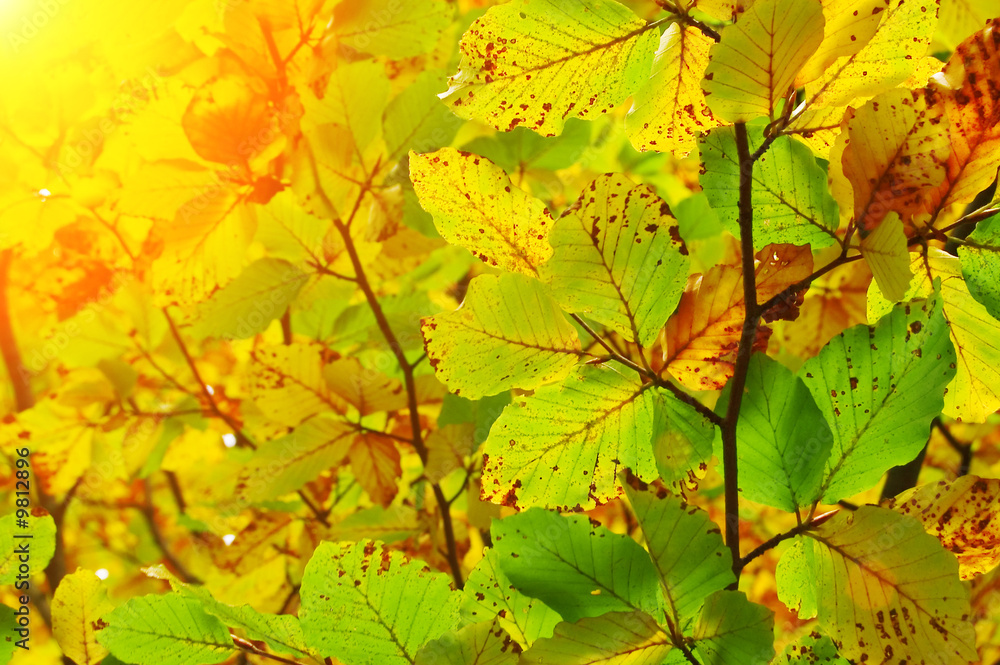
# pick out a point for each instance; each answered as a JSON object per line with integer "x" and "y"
{"x": 286, "y": 327}
{"x": 963, "y": 449}
{"x": 681, "y": 16}
{"x": 773, "y": 542}
{"x": 903, "y": 477}
{"x": 750, "y": 321}
{"x": 409, "y": 383}
{"x": 149, "y": 512}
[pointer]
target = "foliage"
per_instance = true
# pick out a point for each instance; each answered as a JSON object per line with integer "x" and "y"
{"x": 663, "y": 331}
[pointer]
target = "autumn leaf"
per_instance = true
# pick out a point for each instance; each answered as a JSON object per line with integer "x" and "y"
{"x": 886, "y": 589}
{"x": 959, "y": 514}
{"x": 848, "y": 26}
{"x": 886, "y": 251}
{"x": 475, "y": 205}
{"x": 538, "y": 63}
{"x": 792, "y": 203}
{"x": 488, "y": 592}
{"x": 618, "y": 258}
{"x": 564, "y": 445}
{"x": 508, "y": 333}
{"x": 615, "y": 638}
{"x": 79, "y": 602}
{"x": 669, "y": 110}
{"x": 286, "y": 382}
{"x": 407, "y": 29}
{"x": 375, "y": 462}
{"x": 964, "y": 89}
{"x": 485, "y": 642}
{"x": 702, "y": 335}
{"x": 754, "y": 64}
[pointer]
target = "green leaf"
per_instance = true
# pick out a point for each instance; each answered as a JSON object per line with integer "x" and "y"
{"x": 980, "y": 256}
{"x": 686, "y": 548}
{"x": 974, "y": 394}
{"x": 731, "y": 629}
{"x": 355, "y": 98}
{"x": 754, "y": 64}
{"x": 537, "y": 63}
{"x": 508, "y": 333}
{"x": 488, "y": 592}
{"x": 482, "y": 413}
{"x": 417, "y": 120}
{"x": 34, "y": 538}
{"x": 794, "y": 579}
{"x": 886, "y": 590}
{"x": 616, "y": 638}
{"x": 618, "y": 258}
{"x": 813, "y": 649}
{"x": 792, "y": 203}
{"x": 523, "y": 149}
{"x": 169, "y": 629}
{"x": 363, "y": 603}
{"x": 286, "y": 464}
{"x": 879, "y": 388}
{"x": 784, "y": 441}
{"x": 8, "y": 624}
{"x": 247, "y": 305}
{"x": 563, "y": 446}
{"x": 282, "y": 633}
{"x": 475, "y": 206}
{"x": 682, "y": 441}
{"x": 670, "y": 108}
{"x": 574, "y": 567}
{"x": 479, "y": 644}
{"x": 389, "y": 27}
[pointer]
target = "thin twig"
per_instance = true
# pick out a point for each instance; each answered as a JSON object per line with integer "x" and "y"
{"x": 963, "y": 449}
{"x": 149, "y": 512}
{"x": 250, "y": 647}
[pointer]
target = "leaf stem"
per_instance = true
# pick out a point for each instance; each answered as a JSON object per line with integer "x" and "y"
{"x": 250, "y": 647}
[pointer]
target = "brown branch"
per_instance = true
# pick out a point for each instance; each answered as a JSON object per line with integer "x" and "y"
{"x": 963, "y": 449}
{"x": 149, "y": 512}
{"x": 409, "y": 383}
{"x": 751, "y": 319}
{"x": 250, "y": 647}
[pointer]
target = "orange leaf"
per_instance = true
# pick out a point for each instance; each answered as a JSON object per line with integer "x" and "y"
{"x": 970, "y": 98}
{"x": 375, "y": 463}
{"x": 702, "y": 336}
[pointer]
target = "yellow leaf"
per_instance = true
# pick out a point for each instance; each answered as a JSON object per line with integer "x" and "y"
{"x": 885, "y": 251}
{"x": 366, "y": 389}
{"x": 355, "y": 99}
{"x": 77, "y": 607}
{"x": 849, "y": 26}
{"x": 258, "y": 544}
{"x": 204, "y": 247}
{"x": 538, "y": 62}
{"x": 974, "y": 393}
{"x": 754, "y": 64}
{"x": 960, "y": 18}
{"x": 286, "y": 382}
{"x": 475, "y": 206}
{"x": 669, "y": 109}
{"x": 703, "y": 334}
{"x": 897, "y": 146}
{"x": 888, "y": 58}
{"x": 887, "y": 592}
{"x": 959, "y": 513}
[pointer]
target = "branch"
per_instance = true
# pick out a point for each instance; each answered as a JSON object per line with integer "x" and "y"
{"x": 773, "y": 542}
{"x": 750, "y": 320}
{"x": 963, "y": 449}
{"x": 409, "y": 383}
{"x": 250, "y": 647}
{"x": 681, "y": 16}
{"x": 705, "y": 412}
{"x": 149, "y": 513}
